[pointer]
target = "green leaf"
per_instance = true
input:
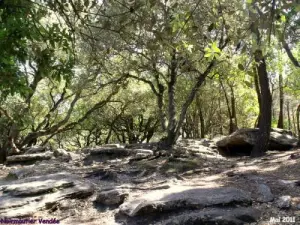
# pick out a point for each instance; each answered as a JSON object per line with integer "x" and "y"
{"x": 207, "y": 55}
{"x": 207, "y": 49}
{"x": 283, "y": 18}
{"x": 215, "y": 48}
{"x": 249, "y": 1}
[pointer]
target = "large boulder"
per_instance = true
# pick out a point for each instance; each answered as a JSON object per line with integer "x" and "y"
{"x": 244, "y": 139}
{"x": 182, "y": 197}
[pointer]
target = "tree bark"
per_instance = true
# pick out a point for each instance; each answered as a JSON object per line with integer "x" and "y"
{"x": 290, "y": 54}
{"x": 298, "y": 120}
{"x": 201, "y": 117}
{"x": 266, "y": 100}
{"x": 281, "y": 100}
{"x": 171, "y": 129}
{"x": 257, "y": 89}
{"x": 233, "y": 110}
{"x": 289, "y": 115}
{"x": 202, "y": 125}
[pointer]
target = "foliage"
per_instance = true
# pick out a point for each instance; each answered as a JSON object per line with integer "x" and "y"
{"x": 87, "y": 72}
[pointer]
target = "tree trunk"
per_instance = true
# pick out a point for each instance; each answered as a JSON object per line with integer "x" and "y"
{"x": 160, "y": 103}
{"x": 298, "y": 120}
{"x": 289, "y": 115}
{"x": 233, "y": 110}
{"x": 201, "y": 117}
{"x": 280, "y": 117}
{"x": 294, "y": 122}
{"x": 3, "y": 155}
{"x": 266, "y": 102}
{"x": 172, "y": 135}
{"x": 257, "y": 89}
{"x": 202, "y": 128}
{"x": 231, "y": 123}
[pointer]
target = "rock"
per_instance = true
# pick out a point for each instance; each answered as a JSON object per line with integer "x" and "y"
{"x": 201, "y": 148}
{"x": 35, "y": 149}
{"x": 60, "y": 153}
{"x": 150, "y": 146}
{"x": 142, "y": 151}
{"x": 29, "y": 157}
{"x": 141, "y": 156}
{"x": 284, "y": 202}
{"x": 119, "y": 152}
{"x": 265, "y": 194}
{"x": 182, "y": 197}
{"x": 231, "y": 216}
{"x": 291, "y": 183}
{"x": 245, "y": 139}
{"x": 110, "y": 151}
{"x": 282, "y": 140}
{"x": 111, "y": 146}
{"x": 36, "y": 187}
{"x": 204, "y": 150}
{"x": 25, "y": 197}
{"x": 74, "y": 156}
{"x": 21, "y": 172}
{"x": 112, "y": 197}
{"x": 294, "y": 156}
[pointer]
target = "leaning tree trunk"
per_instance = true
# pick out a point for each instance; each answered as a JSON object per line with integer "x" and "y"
{"x": 266, "y": 103}
{"x": 280, "y": 118}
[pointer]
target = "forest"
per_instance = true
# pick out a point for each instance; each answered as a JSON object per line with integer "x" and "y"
{"x": 85, "y": 73}
{"x": 158, "y": 106}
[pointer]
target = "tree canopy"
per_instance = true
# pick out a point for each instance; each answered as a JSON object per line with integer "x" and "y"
{"x": 77, "y": 73}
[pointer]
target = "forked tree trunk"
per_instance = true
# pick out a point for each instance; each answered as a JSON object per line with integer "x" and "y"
{"x": 266, "y": 102}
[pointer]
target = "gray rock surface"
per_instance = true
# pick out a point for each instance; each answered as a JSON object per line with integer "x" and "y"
{"x": 230, "y": 216}
{"x": 60, "y": 153}
{"x": 181, "y": 197}
{"x": 119, "y": 152}
{"x": 284, "y": 202}
{"x": 264, "y": 192}
{"x": 112, "y": 146}
{"x": 21, "y": 172}
{"x": 200, "y": 148}
{"x": 35, "y": 149}
{"x": 26, "y": 196}
{"x": 29, "y": 157}
{"x": 279, "y": 140}
{"x": 112, "y": 197}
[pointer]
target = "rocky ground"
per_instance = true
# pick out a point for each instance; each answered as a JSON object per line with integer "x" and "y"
{"x": 134, "y": 185}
